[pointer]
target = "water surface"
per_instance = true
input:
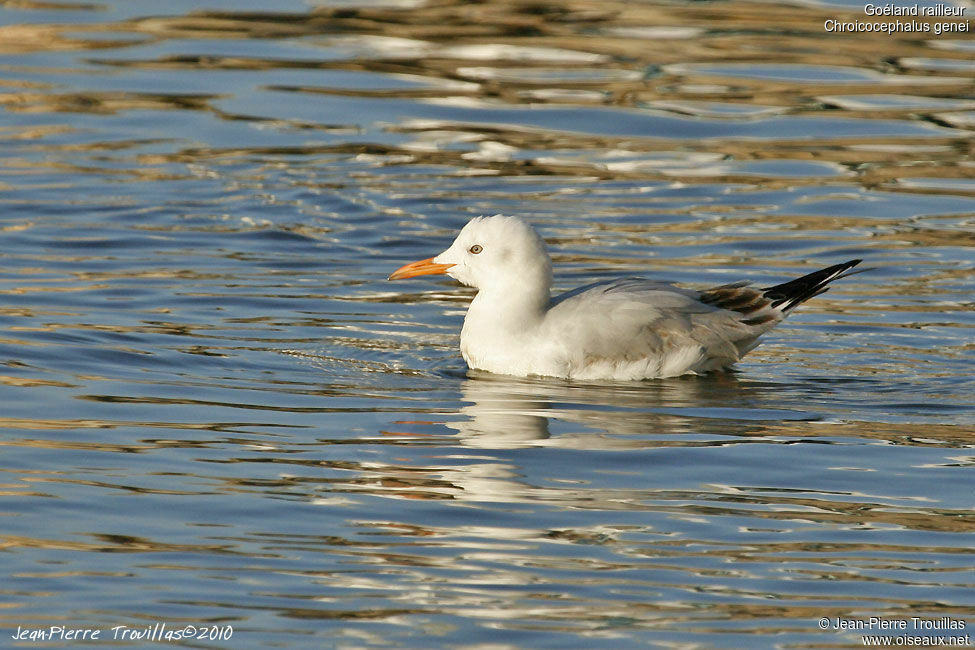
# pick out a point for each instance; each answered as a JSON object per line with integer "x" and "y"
{"x": 217, "y": 412}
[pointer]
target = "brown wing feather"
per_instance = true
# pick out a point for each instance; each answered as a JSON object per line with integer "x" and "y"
{"x": 762, "y": 306}
{"x": 742, "y": 299}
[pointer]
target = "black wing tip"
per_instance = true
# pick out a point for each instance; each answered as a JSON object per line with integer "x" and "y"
{"x": 788, "y": 295}
{"x": 839, "y": 268}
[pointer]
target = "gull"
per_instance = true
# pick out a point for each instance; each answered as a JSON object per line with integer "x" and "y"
{"x": 624, "y": 329}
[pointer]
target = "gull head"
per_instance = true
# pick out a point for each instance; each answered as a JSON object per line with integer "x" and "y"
{"x": 490, "y": 253}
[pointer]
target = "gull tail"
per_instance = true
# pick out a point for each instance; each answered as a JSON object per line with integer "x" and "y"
{"x": 763, "y": 308}
{"x": 789, "y": 295}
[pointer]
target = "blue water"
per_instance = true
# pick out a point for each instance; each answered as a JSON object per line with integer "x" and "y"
{"x": 217, "y": 413}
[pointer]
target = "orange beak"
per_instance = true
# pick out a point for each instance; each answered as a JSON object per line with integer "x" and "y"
{"x": 423, "y": 267}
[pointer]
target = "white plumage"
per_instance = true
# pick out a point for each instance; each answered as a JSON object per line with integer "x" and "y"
{"x": 624, "y": 329}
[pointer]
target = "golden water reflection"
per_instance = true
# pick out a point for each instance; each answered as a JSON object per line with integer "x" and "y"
{"x": 695, "y": 61}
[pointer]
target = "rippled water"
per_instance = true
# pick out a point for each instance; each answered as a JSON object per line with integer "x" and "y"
{"x": 217, "y": 412}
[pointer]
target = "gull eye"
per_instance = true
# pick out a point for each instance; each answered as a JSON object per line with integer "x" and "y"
{"x": 476, "y": 248}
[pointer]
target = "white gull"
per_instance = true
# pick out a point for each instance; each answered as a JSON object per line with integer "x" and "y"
{"x": 624, "y": 329}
